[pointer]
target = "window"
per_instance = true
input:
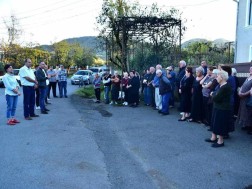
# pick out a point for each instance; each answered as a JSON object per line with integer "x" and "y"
{"x": 250, "y": 13}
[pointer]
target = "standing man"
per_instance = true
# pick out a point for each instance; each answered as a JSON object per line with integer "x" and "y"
{"x": 42, "y": 84}
{"x": 165, "y": 92}
{"x": 52, "y": 82}
{"x": 62, "y": 74}
{"x": 180, "y": 75}
{"x": 171, "y": 75}
{"x": 158, "y": 98}
{"x": 29, "y": 83}
{"x": 204, "y": 66}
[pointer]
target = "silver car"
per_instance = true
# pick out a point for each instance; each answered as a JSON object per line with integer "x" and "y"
{"x": 82, "y": 77}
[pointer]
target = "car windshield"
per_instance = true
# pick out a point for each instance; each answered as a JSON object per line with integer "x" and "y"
{"x": 81, "y": 73}
{"x": 15, "y": 72}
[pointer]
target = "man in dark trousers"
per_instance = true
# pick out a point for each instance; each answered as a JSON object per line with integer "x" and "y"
{"x": 29, "y": 83}
{"x": 42, "y": 84}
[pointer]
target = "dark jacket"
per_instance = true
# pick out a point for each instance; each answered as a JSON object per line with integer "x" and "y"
{"x": 41, "y": 77}
{"x": 164, "y": 85}
{"x": 180, "y": 75}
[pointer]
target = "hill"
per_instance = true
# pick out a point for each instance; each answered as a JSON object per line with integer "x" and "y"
{"x": 218, "y": 42}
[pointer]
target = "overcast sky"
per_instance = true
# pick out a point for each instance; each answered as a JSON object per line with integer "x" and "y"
{"x": 49, "y": 21}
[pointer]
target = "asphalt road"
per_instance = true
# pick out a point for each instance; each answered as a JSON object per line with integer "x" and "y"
{"x": 81, "y": 144}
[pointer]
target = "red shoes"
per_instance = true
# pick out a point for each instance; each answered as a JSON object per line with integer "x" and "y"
{"x": 12, "y": 122}
{"x": 15, "y": 121}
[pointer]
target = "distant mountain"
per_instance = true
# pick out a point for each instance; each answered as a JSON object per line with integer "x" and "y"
{"x": 86, "y": 41}
{"x": 218, "y": 42}
{"x": 89, "y": 42}
{"x": 186, "y": 43}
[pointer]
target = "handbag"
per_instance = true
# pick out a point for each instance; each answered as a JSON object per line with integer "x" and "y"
{"x": 249, "y": 102}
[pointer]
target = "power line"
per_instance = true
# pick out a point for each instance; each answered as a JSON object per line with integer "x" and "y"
{"x": 188, "y": 5}
{"x": 50, "y": 10}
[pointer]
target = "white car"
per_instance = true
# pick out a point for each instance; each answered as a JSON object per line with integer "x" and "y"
{"x": 85, "y": 76}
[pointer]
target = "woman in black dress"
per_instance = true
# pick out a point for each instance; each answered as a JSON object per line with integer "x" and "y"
{"x": 197, "y": 97}
{"x": 185, "y": 91}
{"x": 133, "y": 89}
{"x": 222, "y": 111}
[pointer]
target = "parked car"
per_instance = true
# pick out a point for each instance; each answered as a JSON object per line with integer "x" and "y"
{"x": 100, "y": 70}
{"x": 1, "y": 81}
{"x": 16, "y": 74}
{"x": 85, "y": 76}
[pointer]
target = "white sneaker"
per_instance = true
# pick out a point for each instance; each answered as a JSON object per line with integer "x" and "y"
{"x": 126, "y": 103}
{"x": 115, "y": 102}
{"x": 111, "y": 103}
{"x": 37, "y": 107}
{"x": 48, "y": 99}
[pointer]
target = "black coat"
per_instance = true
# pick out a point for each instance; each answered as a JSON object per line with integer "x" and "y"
{"x": 41, "y": 77}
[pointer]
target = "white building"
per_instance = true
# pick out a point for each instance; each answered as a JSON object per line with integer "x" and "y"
{"x": 244, "y": 32}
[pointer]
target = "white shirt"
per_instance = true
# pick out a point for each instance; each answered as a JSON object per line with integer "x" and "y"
{"x": 26, "y": 72}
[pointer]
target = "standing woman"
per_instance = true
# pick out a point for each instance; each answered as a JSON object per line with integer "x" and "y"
{"x": 222, "y": 111}
{"x": 244, "y": 94}
{"x": 197, "y": 97}
{"x": 125, "y": 81}
{"x": 185, "y": 91}
{"x": 97, "y": 87}
{"x": 115, "y": 88}
{"x": 11, "y": 94}
{"x": 133, "y": 88}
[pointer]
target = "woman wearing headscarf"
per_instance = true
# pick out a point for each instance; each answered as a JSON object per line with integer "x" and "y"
{"x": 222, "y": 111}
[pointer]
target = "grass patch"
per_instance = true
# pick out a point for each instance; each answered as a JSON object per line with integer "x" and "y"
{"x": 88, "y": 92}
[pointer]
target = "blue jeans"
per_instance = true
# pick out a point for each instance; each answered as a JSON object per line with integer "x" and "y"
{"x": 145, "y": 95}
{"x": 63, "y": 88}
{"x": 42, "y": 96}
{"x": 165, "y": 102}
{"x": 107, "y": 91}
{"x": 29, "y": 100}
{"x": 11, "y": 105}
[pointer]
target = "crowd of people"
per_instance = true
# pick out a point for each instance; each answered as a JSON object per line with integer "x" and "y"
{"x": 37, "y": 85}
{"x": 209, "y": 95}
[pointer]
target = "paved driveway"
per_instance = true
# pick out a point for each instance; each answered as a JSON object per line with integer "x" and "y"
{"x": 81, "y": 144}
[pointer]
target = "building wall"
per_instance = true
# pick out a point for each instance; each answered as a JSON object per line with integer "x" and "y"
{"x": 244, "y": 33}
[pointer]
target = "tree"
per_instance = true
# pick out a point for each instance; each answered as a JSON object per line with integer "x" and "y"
{"x": 61, "y": 51}
{"x": 123, "y": 24}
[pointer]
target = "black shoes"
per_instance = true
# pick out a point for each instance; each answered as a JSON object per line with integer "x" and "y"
{"x": 163, "y": 113}
{"x": 44, "y": 112}
{"x": 35, "y": 115}
{"x": 47, "y": 110}
{"x": 212, "y": 141}
{"x": 217, "y": 145}
{"x": 182, "y": 119}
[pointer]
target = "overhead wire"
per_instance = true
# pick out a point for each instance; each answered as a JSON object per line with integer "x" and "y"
{"x": 51, "y": 10}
